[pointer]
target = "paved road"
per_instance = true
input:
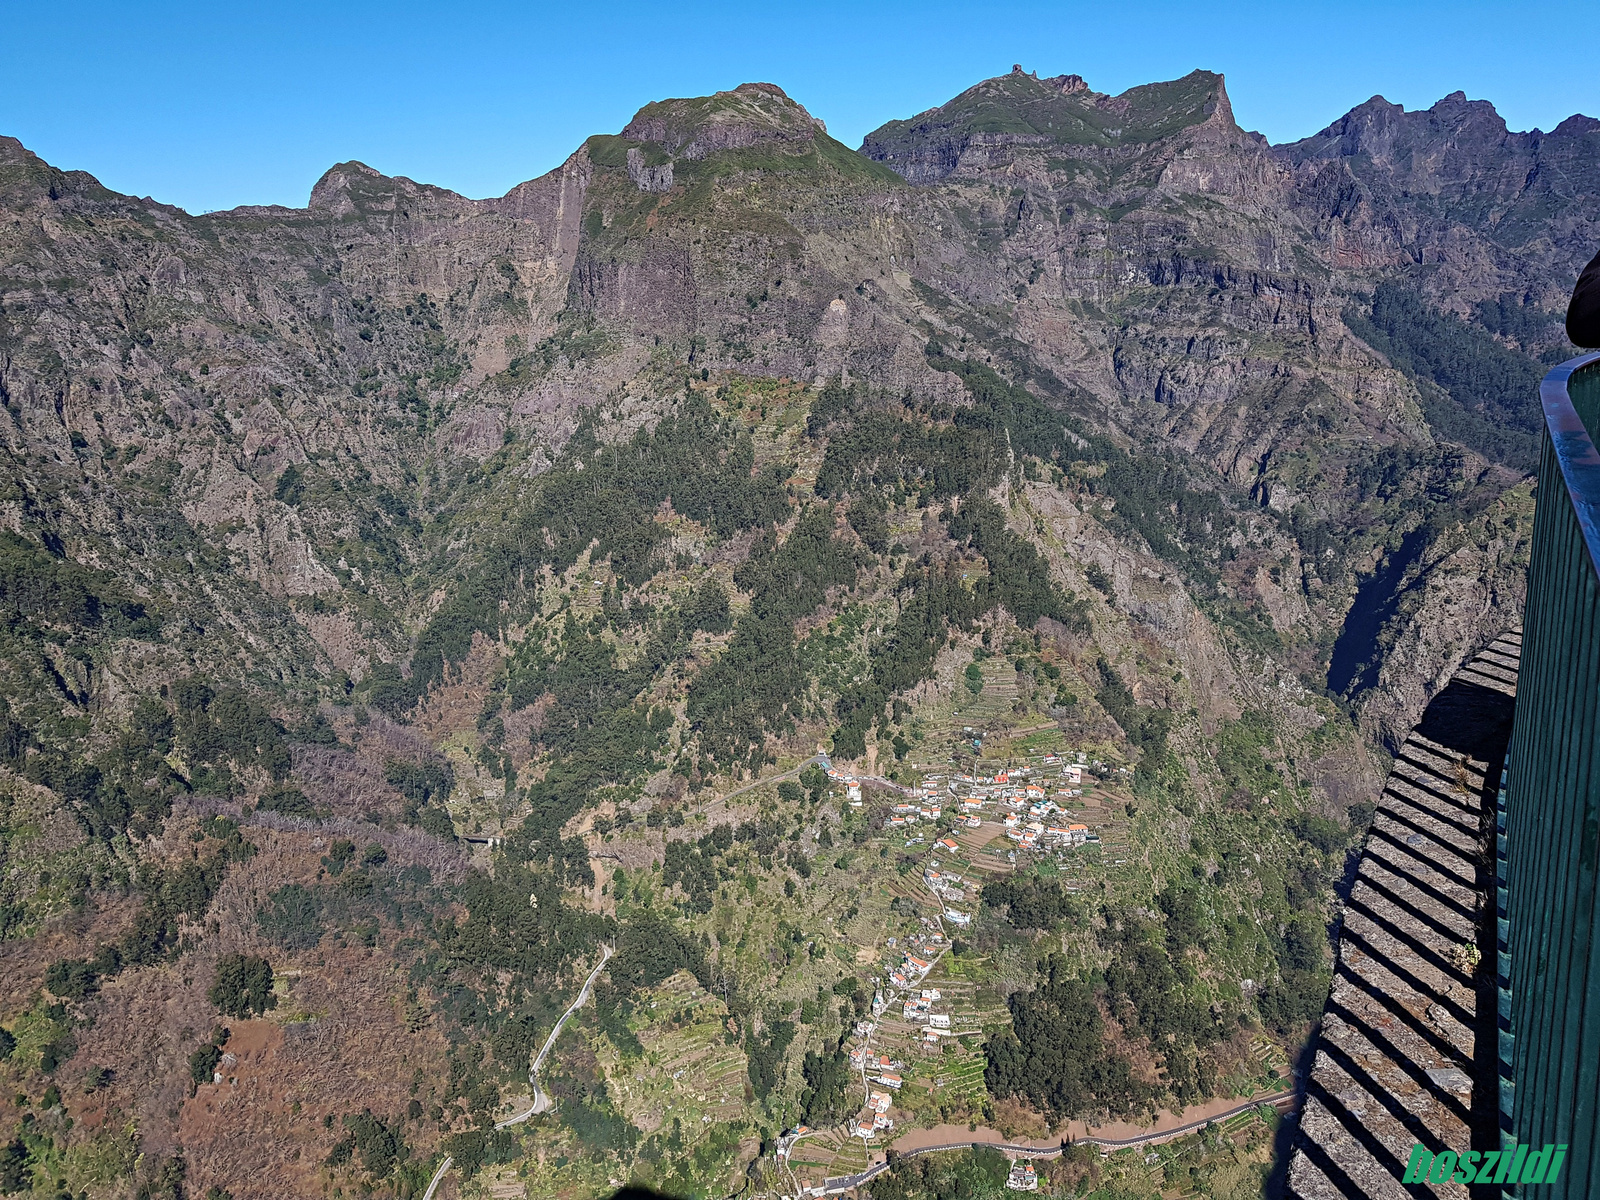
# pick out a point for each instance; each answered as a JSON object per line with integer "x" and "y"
{"x": 437, "y": 1176}
{"x": 541, "y": 1102}
{"x": 845, "y": 1183}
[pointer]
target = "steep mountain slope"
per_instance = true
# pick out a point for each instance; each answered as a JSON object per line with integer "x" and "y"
{"x": 1195, "y": 280}
{"x": 1051, "y": 421}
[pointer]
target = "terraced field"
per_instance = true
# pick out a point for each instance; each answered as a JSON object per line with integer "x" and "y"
{"x": 1225, "y": 1159}
{"x": 689, "y": 1070}
{"x": 850, "y": 1157}
{"x": 958, "y": 1073}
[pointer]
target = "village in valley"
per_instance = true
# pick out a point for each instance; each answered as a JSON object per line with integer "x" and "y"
{"x": 927, "y": 1024}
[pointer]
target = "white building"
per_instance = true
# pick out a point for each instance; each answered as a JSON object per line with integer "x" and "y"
{"x": 1023, "y": 1177}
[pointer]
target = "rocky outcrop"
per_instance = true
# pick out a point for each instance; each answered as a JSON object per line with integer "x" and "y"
{"x": 988, "y": 126}
{"x": 645, "y": 177}
{"x": 750, "y": 115}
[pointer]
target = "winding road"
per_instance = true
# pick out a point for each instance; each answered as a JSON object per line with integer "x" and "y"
{"x": 843, "y": 1184}
{"x": 541, "y": 1101}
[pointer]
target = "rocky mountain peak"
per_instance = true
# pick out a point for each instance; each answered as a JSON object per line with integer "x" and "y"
{"x": 25, "y": 178}
{"x": 1384, "y": 131}
{"x": 762, "y": 89}
{"x": 350, "y": 187}
{"x": 1576, "y": 126}
{"x": 14, "y": 153}
{"x": 335, "y": 193}
{"x": 749, "y": 115}
{"x": 1066, "y": 84}
{"x": 1063, "y": 115}
{"x": 1456, "y": 111}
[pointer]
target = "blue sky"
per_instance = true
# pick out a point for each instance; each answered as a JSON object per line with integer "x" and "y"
{"x": 209, "y": 106}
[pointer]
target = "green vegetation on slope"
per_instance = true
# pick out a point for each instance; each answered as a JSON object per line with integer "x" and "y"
{"x": 1474, "y": 390}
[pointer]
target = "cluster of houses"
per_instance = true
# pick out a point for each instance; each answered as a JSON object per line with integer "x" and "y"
{"x": 1034, "y": 832}
{"x": 1035, "y": 818}
{"x": 880, "y": 1069}
{"x": 919, "y": 953}
{"x": 878, "y": 1104}
{"x": 918, "y": 1010}
{"x": 866, "y": 1129}
{"x": 911, "y": 812}
{"x": 912, "y": 968}
{"x": 917, "y": 957}
{"x": 1015, "y": 781}
{"x": 1015, "y": 789}
{"x": 1034, "y": 812}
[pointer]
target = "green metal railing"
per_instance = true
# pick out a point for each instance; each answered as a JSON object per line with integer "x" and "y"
{"x": 1549, "y": 836}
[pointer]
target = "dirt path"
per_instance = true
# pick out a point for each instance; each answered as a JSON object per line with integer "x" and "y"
{"x": 820, "y": 760}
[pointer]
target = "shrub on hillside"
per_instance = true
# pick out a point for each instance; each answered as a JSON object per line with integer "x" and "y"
{"x": 243, "y": 986}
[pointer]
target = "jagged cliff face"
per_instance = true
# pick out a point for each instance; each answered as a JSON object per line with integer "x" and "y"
{"x": 1180, "y": 281}
{"x": 1450, "y": 190}
{"x": 1194, "y": 280}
